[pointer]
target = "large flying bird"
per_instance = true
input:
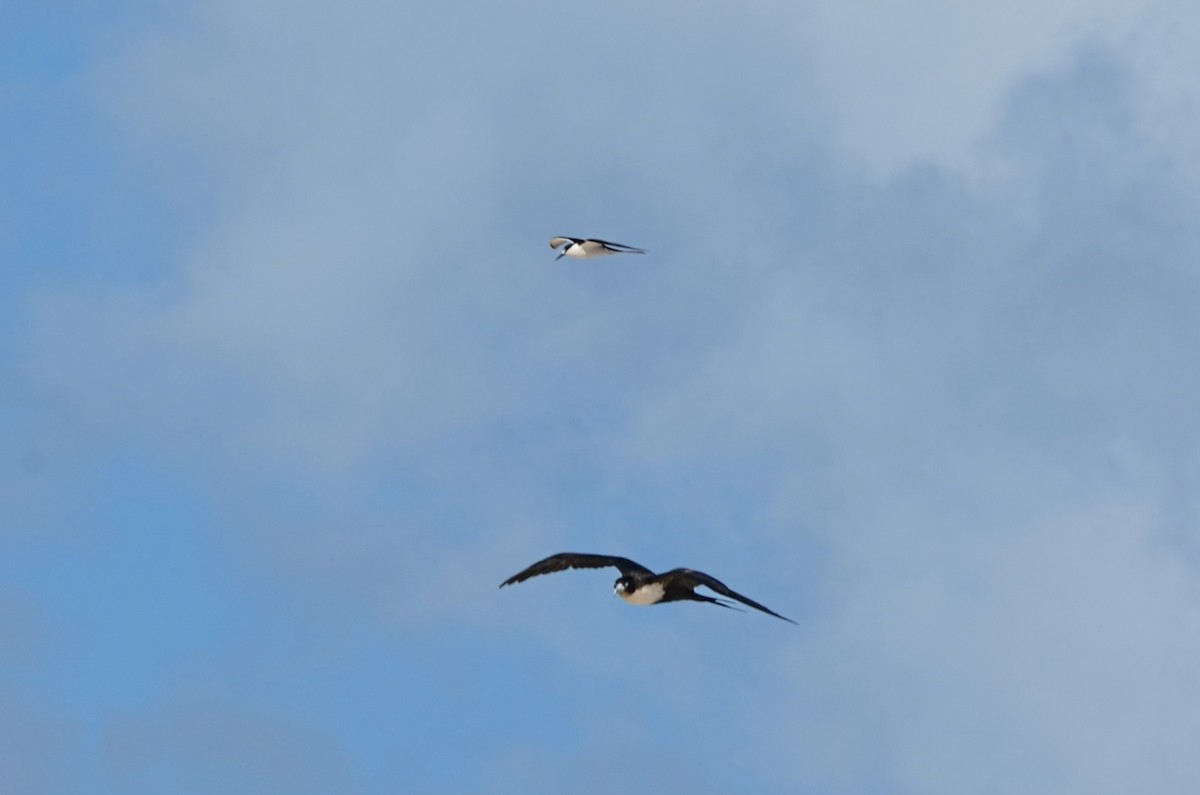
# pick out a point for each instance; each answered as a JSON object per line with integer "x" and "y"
{"x": 640, "y": 586}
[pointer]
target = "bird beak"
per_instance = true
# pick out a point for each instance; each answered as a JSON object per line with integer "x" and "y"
{"x": 560, "y": 256}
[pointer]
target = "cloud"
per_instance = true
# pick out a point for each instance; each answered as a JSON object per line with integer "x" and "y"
{"x": 1052, "y": 656}
{"x": 926, "y": 81}
{"x": 1014, "y": 573}
{"x": 943, "y": 414}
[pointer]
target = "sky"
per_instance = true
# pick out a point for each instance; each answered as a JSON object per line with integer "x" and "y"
{"x": 290, "y": 382}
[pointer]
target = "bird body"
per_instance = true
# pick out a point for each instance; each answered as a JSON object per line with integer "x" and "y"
{"x": 650, "y": 593}
{"x": 581, "y": 248}
{"x": 640, "y": 586}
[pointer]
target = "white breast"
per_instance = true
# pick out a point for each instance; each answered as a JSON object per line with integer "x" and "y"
{"x": 646, "y": 595}
{"x": 587, "y": 250}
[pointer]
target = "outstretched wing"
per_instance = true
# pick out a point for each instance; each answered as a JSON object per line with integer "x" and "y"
{"x": 555, "y": 242}
{"x": 691, "y": 578}
{"x": 576, "y": 560}
{"x": 621, "y": 247}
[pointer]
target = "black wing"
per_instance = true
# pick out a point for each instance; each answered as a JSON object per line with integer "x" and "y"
{"x": 692, "y": 579}
{"x": 618, "y": 246}
{"x": 576, "y": 560}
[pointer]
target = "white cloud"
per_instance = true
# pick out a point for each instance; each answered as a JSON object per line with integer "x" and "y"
{"x": 923, "y": 81}
{"x": 960, "y": 409}
{"x": 1050, "y": 656}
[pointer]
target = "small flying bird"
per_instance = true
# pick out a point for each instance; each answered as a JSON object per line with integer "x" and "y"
{"x": 640, "y": 586}
{"x": 586, "y": 249}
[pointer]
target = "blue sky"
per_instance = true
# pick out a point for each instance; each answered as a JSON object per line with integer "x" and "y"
{"x": 290, "y": 381}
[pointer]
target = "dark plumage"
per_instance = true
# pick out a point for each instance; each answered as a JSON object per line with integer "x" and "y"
{"x": 640, "y": 586}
